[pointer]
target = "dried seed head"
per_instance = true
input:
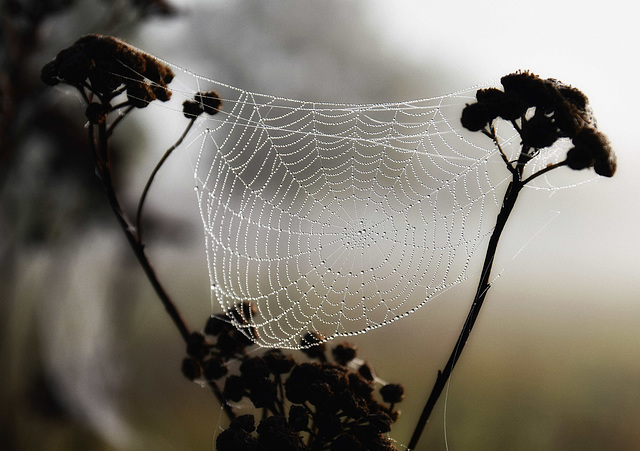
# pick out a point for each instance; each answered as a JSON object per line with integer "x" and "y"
{"x": 298, "y": 418}
{"x": 196, "y": 345}
{"x": 210, "y": 101}
{"x": 559, "y": 111}
{"x": 254, "y": 368}
{"x": 534, "y": 90}
{"x": 592, "y": 149}
{"x": 103, "y": 64}
{"x": 233, "y": 388}
{"x": 275, "y": 433}
{"x": 477, "y": 116}
{"x": 606, "y": 166}
{"x": 366, "y": 372}
{"x": 538, "y": 132}
{"x": 244, "y": 422}
{"x": 214, "y": 368}
{"x": 215, "y": 324}
{"x": 344, "y": 353}
{"x": 277, "y": 362}
{"x": 297, "y": 384}
{"x": 263, "y": 392}
{"x": 191, "y": 109}
{"x": 140, "y": 94}
{"x": 236, "y": 439}
{"x": 392, "y": 393}
{"x": 191, "y": 369}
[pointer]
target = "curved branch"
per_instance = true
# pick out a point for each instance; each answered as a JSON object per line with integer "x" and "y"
{"x": 152, "y": 176}
{"x": 104, "y": 172}
{"x": 544, "y": 171}
{"x": 483, "y": 287}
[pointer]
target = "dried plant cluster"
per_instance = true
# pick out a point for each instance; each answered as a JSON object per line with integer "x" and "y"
{"x": 322, "y": 403}
{"x": 542, "y": 111}
{"x": 309, "y": 405}
{"x": 104, "y": 67}
{"x": 316, "y": 404}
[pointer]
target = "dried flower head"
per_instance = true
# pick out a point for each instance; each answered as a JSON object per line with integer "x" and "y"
{"x": 234, "y": 389}
{"x": 392, "y": 393}
{"x": 262, "y": 392}
{"x": 477, "y": 116}
{"x": 191, "y": 369}
{"x": 275, "y": 434}
{"x": 244, "y": 422}
{"x": 191, "y": 109}
{"x": 277, "y": 362}
{"x": 236, "y": 439}
{"x": 543, "y": 111}
{"x": 215, "y": 324}
{"x": 592, "y": 149}
{"x": 298, "y": 418}
{"x": 197, "y": 346}
{"x": 214, "y": 368}
{"x": 210, "y": 101}
{"x": 107, "y": 66}
{"x": 314, "y": 346}
{"x": 343, "y": 353}
{"x": 539, "y": 131}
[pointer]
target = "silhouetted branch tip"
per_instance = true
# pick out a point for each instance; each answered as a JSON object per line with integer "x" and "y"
{"x": 592, "y": 149}
{"x": 543, "y": 111}
{"x": 203, "y": 102}
{"x": 210, "y": 101}
{"x": 392, "y": 393}
{"x": 345, "y": 352}
{"x": 107, "y": 66}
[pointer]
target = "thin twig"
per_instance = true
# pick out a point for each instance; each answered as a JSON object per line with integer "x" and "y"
{"x": 544, "y": 171}
{"x": 152, "y": 176}
{"x": 509, "y": 200}
{"x": 138, "y": 249}
{"x": 483, "y": 287}
{"x": 134, "y": 242}
{"x": 494, "y": 137}
{"x": 118, "y": 119}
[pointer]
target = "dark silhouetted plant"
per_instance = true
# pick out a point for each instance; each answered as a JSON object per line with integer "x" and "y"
{"x": 326, "y": 402}
{"x": 541, "y": 111}
{"x": 310, "y": 405}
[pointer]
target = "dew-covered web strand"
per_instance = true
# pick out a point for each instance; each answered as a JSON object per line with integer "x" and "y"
{"x": 305, "y": 275}
{"x": 337, "y": 218}
{"x": 296, "y": 281}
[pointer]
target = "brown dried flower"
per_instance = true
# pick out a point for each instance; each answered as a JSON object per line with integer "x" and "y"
{"x": 106, "y": 66}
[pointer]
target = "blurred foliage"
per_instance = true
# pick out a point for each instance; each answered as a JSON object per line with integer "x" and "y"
{"x": 49, "y": 197}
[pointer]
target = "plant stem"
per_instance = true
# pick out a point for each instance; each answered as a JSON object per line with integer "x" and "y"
{"x": 136, "y": 245}
{"x": 508, "y": 203}
{"x": 152, "y": 176}
{"x": 104, "y": 170}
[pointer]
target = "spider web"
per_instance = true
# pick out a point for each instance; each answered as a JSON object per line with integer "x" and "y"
{"x": 336, "y": 219}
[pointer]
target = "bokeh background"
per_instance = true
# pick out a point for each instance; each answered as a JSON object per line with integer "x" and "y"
{"x": 89, "y": 359}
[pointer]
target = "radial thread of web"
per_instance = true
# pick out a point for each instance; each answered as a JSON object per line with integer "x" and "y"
{"x": 335, "y": 219}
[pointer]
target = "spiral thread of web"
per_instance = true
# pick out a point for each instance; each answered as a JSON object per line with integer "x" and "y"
{"x": 336, "y": 219}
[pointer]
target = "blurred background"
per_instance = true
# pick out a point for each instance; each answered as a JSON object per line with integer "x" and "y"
{"x": 89, "y": 359}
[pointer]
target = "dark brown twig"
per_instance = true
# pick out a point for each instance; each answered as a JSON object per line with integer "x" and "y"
{"x": 104, "y": 172}
{"x": 483, "y": 287}
{"x": 152, "y": 176}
